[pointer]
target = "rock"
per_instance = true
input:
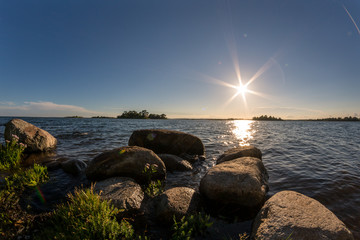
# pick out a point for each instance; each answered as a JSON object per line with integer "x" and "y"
{"x": 178, "y": 201}
{"x": 167, "y": 141}
{"x": 125, "y": 162}
{"x": 175, "y": 163}
{"x": 73, "y": 166}
{"x": 289, "y": 212}
{"x": 123, "y": 192}
{"x": 53, "y": 165}
{"x": 239, "y": 183}
{"x": 36, "y": 139}
{"x": 244, "y": 151}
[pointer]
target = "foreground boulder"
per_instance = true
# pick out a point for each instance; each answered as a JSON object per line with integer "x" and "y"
{"x": 178, "y": 202}
{"x": 239, "y": 183}
{"x": 167, "y": 141}
{"x": 289, "y": 212}
{"x": 238, "y": 152}
{"x": 175, "y": 163}
{"x": 125, "y": 162}
{"x": 123, "y": 192}
{"x": 36, "y": 139}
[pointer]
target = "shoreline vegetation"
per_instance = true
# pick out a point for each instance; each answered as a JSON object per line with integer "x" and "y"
{"x": 266, "y": 118}
{"x": 146, "y": 115}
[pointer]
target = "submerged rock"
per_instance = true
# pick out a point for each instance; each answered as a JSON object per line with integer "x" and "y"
{"x": 178, "y": 202}
{"x": 73, "y": 166}
{"x": 167, "y": 141}
{"x": 291, "y": 213}
{"x": 36, "y": 139}
{"x": 125, "y": 162}
{"x": 175, "y": 163}
{"x": 238, "y": 152}
{"x": 123, "y": 192}
{"x": 239, "y": 183}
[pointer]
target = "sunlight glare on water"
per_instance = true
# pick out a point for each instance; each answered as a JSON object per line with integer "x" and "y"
{"x": 243, "y": 131}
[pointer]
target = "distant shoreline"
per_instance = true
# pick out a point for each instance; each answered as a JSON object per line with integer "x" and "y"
{"x": 208, "y": 119}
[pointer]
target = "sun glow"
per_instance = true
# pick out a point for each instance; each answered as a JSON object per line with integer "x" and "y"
{"x": 241, "y": 89}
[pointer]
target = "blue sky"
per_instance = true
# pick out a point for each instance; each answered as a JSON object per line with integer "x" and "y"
{"x": 61, "y": 58}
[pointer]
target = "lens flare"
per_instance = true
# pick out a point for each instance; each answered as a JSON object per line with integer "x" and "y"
{"x": 40, "y": 195}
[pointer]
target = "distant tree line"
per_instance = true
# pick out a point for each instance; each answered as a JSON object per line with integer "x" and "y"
{"x": 141, "y": 115}
{"x": 339, "y": 119}
{"x": 267, "y": 118}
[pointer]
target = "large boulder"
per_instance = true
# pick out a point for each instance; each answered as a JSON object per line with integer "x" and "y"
{"x": 36, "y": 139}
{"x": 167, "y": 141}
{"x": 123, "y": 192}
{"x": 238, "y": 152}
{"x": 241, "y": 183}
{"x": 125, "y": 162}
{"x": 178, "y": 202}
{"x": 175, "y": 163}
{"x": 291, "y": 213}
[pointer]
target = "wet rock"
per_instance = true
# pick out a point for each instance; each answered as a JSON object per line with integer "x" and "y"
{"x": 240, "y": 183}
{"x": 36, "y": 139}
{"x": 244, "y": 151}
{"x": 178, "y": 201}
{"x": 192, "y": 158}
{"x": 125, "y": 162}
{"x": 175, "y": 163}
{"x": 123, "y": 192}
{"x": 73, "y": 166}
{"x": 289, "y": 212}
{"x": 167, "y": 141}
{"x": 53, "y": 165}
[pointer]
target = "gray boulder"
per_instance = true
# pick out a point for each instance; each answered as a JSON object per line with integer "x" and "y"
{"x": 289, "y": 212}
{"x": 242, "y": 182}
{"x": 125, "y": 162}
{"x": 73, "y": 166}
{"x": 36, "y": 139}
{"x": 167, "y": 141}
{"x": 123, "y": 192}
{"x": 178, "y": 202}
{"x": 238, "y": 152}
{"x": 175, "y": 163}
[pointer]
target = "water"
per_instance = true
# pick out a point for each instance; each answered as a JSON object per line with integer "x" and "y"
{"x": 318, "y": 159}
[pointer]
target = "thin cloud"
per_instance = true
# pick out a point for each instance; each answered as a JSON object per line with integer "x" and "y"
{"x": 41, "y": 108}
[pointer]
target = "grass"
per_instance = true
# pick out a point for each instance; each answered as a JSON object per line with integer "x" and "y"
{"x": 153, "y": 188}
{"x": 86, "y": 216}
{"x": 28, "y": 178}
{"x": 10, "y": 154}
{"x": 191, "y": 226}
{"x": 13, "y": 219}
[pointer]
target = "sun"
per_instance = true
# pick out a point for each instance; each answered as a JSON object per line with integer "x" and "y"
{"x": 241, "y": 89}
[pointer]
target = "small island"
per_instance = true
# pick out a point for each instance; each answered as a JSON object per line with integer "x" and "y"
{"x": 102, "y": 117}
{"x": 144, "y": 114}
{"x": 266, "y": 118}
{"x": 339, "y": 119}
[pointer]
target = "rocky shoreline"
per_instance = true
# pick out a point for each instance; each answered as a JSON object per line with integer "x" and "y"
{"x": 235, "y": 187}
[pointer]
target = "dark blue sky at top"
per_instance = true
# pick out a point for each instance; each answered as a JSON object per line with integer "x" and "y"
{"x": 109, "y": 56}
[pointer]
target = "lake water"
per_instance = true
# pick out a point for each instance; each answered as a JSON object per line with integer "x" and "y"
{"x": 318, "y": 159}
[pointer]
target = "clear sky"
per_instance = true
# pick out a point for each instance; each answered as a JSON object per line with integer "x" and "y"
{"x": 61, "y": 58}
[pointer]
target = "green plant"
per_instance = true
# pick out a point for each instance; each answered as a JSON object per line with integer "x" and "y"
{"x": 29, "y": 178}
{"x": 10, "y": 154}
{"x": 153, "y": 188}
{"x": 86, "y": 216}
{"x": 191, "y": 226}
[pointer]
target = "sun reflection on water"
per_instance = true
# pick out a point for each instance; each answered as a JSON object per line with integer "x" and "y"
{"x": 242, "y": 129}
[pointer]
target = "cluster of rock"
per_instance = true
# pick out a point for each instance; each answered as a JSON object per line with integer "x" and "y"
{"x": 239, "y": 180}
